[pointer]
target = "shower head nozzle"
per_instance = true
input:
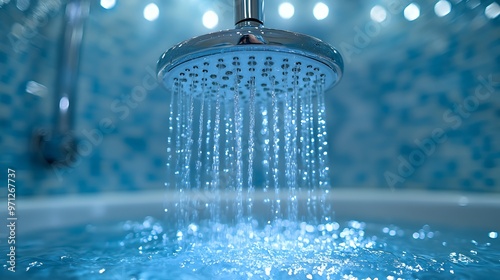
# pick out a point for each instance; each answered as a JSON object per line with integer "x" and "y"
{"x": 249, "y": 57}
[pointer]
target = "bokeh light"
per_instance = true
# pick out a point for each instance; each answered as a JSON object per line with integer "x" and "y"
{"x": 210, "y": 19}
{"x": 411, "y": 12}
{"x": 492, "y": 10}
{"x": 442, "y": 8}
{"x": 108, "y": 4}
{"x": 286, "y": 10}
{"x": 378, "y": 13}
{"x": 321, "y": 11}
{"x": 151, "y": 12}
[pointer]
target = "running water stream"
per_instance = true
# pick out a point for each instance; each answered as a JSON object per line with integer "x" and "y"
{"x": 266, "y": 131}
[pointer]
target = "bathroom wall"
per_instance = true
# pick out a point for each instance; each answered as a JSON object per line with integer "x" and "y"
{"x": 418, "y": 106}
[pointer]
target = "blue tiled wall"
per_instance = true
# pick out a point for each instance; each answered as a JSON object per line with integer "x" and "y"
{"x": 418, "y": 106}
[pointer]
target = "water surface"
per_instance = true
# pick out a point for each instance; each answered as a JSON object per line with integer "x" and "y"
{"x": 152, "y": 249}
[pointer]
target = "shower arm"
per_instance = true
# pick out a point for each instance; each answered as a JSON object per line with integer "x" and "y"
{"x": 248, "y": 13}
{"x": 59, "y": 144}
{"x": 75, "y": 16}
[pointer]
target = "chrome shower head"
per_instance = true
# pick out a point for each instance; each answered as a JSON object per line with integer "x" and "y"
{"x": 242, "y": 115}
{"x": 249, "y": 57}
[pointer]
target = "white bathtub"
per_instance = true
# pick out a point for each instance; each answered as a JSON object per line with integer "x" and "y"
{"x": 460, "y": 210}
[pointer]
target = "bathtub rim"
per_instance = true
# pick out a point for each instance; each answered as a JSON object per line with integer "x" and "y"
{"x": 449, "y": 209}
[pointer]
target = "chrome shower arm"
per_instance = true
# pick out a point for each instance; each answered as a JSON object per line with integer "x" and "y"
{"x": 58, "y": 145}
{"x": 248, "y": 12}
{"x": 75, "y": 16}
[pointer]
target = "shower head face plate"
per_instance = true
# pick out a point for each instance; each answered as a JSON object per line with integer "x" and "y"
{"x": 251, "y": 74}
{"x": 257, "y": 62}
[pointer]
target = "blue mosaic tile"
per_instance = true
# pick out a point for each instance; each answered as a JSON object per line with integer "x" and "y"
{"x": 115, "y": 166}
{"x": 361, "y": 178}
{"x": 7, "y": 77}
{"x": 3, "y": 57}
{"x": 152, "y": 177}
{"x": 394, "y": 90}
{"x": 487, "y": 143}
{"x": 477, "y": 174}
{"x": 96, "y": 84}
{"x": 127, "y": 71}
{"x": 158, "y": 162}
{"x": 452, "y": 167}
{"x": 489, "y": 182}
{"x": 137, "y": 144}
{"x": 489, "y": 163}
{"x": 95, "y": 166}
{"x": 5, "y": 98}
{"x": 476, "y": 153}
{"x": 466, "y": 183}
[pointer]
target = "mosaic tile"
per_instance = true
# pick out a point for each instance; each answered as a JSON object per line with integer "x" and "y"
{"x": 403, "y": 85}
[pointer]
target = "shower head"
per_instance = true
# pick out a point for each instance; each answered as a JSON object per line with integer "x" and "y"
{"x": 249, "y": 58}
